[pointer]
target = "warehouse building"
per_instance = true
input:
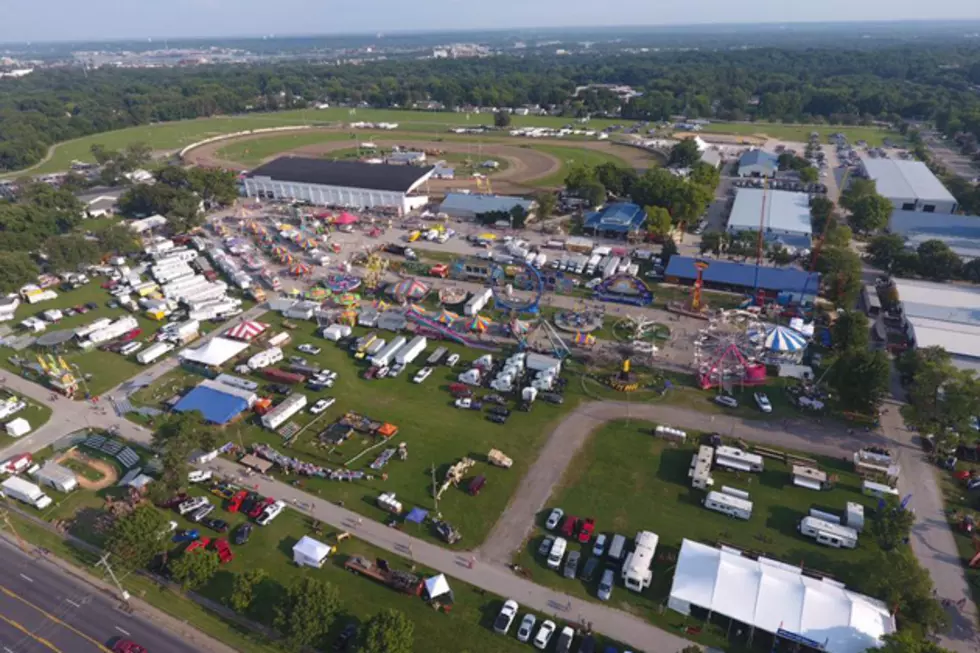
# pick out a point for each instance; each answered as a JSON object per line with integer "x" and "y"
{"x": 943, "y": 315}
{"x": 910, "y": 185}
{"x": 781, "y": 284}
{"x": 468, "y": 206}
{"x": 784, "y": 215}
{"x": 960, "y": 232}
{"x": 615, "y": 220}
{"x": 758, "y": 163}
{"x": 340, "y": 183}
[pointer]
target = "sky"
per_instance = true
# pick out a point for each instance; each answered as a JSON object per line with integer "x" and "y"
{"x": 79, "y": 20}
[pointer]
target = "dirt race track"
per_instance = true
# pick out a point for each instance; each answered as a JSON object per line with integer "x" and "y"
{"x": 524, "y": 164}
{"x": 109, "y": 474}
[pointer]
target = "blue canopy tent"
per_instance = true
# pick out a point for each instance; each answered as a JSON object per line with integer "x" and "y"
{"x": 417, "y": 515}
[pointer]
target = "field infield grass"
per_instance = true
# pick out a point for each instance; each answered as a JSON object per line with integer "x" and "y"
{"x": 801, "y": 133}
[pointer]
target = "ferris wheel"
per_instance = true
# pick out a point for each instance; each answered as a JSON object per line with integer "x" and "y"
{"x": 730, "y": 350}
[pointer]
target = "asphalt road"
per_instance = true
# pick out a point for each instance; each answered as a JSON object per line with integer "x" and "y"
{"x": 43, "y": 610}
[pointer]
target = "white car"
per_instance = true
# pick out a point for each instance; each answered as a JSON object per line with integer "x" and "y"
{"x": 199, "y": 475}
{"x": 526, "y": 628}
{"x": 599, "y": 548}
{"x": 452, "y": 360}
{"x": 506, "y": 617}
{"x": 322, "y": 405}
{"x": 191, "y": 504}
{"x": 554, "y": 518}
{"x": 545, "y": 632}
{"x": 309, "y": 349}
{"x": 727, "y": 401}
{"x": 270, "y": 513}
{"x": 422, "y": 375}
{"x": 762, "y": 401}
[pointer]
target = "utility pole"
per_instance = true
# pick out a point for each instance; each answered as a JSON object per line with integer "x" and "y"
{"x": 5, "y": 516}
{"x": 104, "y": 562}
{"x": 435, "y": 490}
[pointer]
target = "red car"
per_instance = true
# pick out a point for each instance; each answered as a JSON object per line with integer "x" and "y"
{"x": 236, "y": 501}
{"x": 259, "y": 507}
{"x": 224, "y": 551}
{"x": 128, "y": 646}
{"x": 570, "y": 526}
{"x": 198, "y": 544}
{"x": 585, "y": 530}
{"x": 131, "y": 335}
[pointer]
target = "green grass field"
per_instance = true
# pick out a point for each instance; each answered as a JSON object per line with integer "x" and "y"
{"x": 571, "y": 157}
{"x": 623, "y": 459}
{"x": 801, "y": 133}
{"x": 36, "y": 414}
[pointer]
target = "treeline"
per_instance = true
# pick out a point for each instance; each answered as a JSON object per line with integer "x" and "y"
{"x": 792, "y": 85}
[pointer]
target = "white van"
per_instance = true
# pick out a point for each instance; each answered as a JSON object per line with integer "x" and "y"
{"x": 557, "y": 552}
{"x": 617, "y": 548}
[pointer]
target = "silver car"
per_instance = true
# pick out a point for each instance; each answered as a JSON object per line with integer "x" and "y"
{"x": 606, "y": 584}
{"x": 526, "y": 628}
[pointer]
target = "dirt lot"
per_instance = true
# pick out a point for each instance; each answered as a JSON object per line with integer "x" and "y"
{"x": 524, "y": 165}
{"x": 108, "y": 472}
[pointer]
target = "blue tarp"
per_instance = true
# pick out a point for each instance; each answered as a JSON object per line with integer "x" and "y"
{"x": 417, "y": 515}
{"x": 744, "y": 275}
{"x": 217, "y": 407}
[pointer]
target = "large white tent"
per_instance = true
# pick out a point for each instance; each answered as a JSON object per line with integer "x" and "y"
{"x": 215, "y": 352}
{"x": 310, "y": 553}
{"x": 777, "y": 598}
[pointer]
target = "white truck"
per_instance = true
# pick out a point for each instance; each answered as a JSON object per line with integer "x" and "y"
{"x": 17, "y": 488}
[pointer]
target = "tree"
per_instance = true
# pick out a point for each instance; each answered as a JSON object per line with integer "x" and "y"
{"x": 579, "y": 176}
{"x": 937, "y": 261}
{"x": 711, "y": 242}
{"x": 594, "y": 193}
{"x": 617, "y": 179}
{"x": 546, "y": 204}
{"x": 118, "y": 239}
{"x": 193, "y": 570}
{"x": 858, "y": 188}
{"x": 943, "y": 400}
{"x": 243, "y": 589}
{"x": 135, "y": 538}
{"x": 684, "y": 154}
{"x": 70, "y": 252}
{"x": 870, "y": 213}
{"x": 103, "y": 155}
{"x": 658, "y": 221}
{"x": 908, "y": 641}
{"x": 898, "y": 579}
{"x": 891, "y": 525}
{"x": 785, "y": 160}
{"x": 808, "y": 175}
{"x": 176, "y": 438}
{"x": 305, "y": 612}
{"x": 705, "y": 175}
{"x": 16, "y": 270}
{"x": 838, "y": 235}
{"x": 841, "y": 270}
{"x": 821, "y": 209}
{"x": 668, "y": 250}
{"x": 883, "y": 249}
{"x": 501, "y": 119}
{"x": 388, "y": 631}
{"x": 136, "y": 155}
{"x": 851, "y": 330}
{"x": 517, "y": 216}
{"x": 860, "y": 378}
{"x": 777, "y": 254}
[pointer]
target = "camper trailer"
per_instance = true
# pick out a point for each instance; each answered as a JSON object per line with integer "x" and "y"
{"x": 738, "y": 460}
{"x": 828, "y": 533}
{"x": 637, "y": 573}
{"x": 879, "y": 490}
{"x": 728, "y": 504}
{"x": 700, "y": 471}
{"x": 286, "y": 409}
{"x": 809, "y": 477}
{"x": 153, "y": 352}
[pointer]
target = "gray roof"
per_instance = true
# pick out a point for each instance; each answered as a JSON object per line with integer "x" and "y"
{"x": 758, "y": 157}
{"x": 785, "y": 211}
{"x": 482, "y": 203}
{"x": 344, "y": 174}
{"x": 906, "y": 180}
{"x": 960, "y": 232}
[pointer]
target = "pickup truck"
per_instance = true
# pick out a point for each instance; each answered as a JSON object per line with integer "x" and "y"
{"x": 468, "y": 403}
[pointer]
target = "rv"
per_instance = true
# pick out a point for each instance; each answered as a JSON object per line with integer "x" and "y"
{"x": 265, "y": 358}
{"x": 879, "y": 490}
{"x": 286, "y": 409}
{"x": 738, "y": 460}
{"x": 729, "y": 505}
{"x": 809, "y": 477}
{"x": 153, "y": 352}
{"x": 477, "y": 302}
{"x": 384, "y": 357}
{"x": 700, "y": 471}
{"x": 828, "y": 533}
{"x": 636, "y": 569}
{"x": 436, "y": 356}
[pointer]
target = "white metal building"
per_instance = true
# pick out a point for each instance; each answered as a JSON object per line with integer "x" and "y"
{"x": 943, "y": 315}
{"x": 339, "y": 183}
{"x": 910, "y": 185}
{"x": 777, "y": 598}
{"x": 783, "y": 215}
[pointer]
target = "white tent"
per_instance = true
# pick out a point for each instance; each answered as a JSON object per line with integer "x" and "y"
{"x": 310, "y": 553}
{"x": 18, "y": 427}
{"x": 777, "y": 598}
{"x": 215, "y": 352}
{"x": 437, "y": 586}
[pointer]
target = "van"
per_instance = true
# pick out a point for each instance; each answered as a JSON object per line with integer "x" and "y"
{"x": 476, "y": 485}
{"x": 557, "y": 553}
{"x": 617, "y": 548}
{"x": 130, "y": 347}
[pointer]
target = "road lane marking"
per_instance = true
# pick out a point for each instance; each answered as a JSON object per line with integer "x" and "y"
{"x": 27, "y": 578}
{"x": 27, "y": 632}
{"x": 7, "y": 650}
{"x": 124, "y": 632}
{"x": 14, "y": 595}
{"x": 77, "y": 605}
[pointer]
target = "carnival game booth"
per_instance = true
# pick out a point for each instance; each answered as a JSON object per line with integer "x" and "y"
{"x": 624, "y": 289}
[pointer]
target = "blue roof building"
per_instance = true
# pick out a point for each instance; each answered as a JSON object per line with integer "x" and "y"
{"x": 758, "y": 163}
{"x": 217, "y": 407}
{"x": 741, "y": 277}
{"x": 616, "y": 219}
{"x": 470, "y": 205}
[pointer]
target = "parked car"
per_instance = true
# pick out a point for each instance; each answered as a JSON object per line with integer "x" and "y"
{"x": 279, "y": 389}
{"x": 545, "y": 547}
{"x": 452, "y": 360}
{"x": 599, "y": 548}
{"x": 564, "y": 644}
{"x": 499, "y": 410}
{"x": 242, "y": 533}
{"x": 589, "y": 570}
{"x": 526, "y": 628}
{"x": 545, "y": 632}
{"x": 571, "y": 564}
{"x": 202, "y": 512}
{"x": 271, "y": 512}
{"x": 422, "y": 375}
{"x": 217, "y": 525}
{"x": 496, "y": 418}
{"x": 347, "y": 637}
{"x": 553, "y": 398}
{"x": 570, "y": 526}
{"x": 127, "y": 646}
{"x": 309, "y": 349}
{"x": 192, "y": 504}
{"x": 606, "y": 584}
{"x": 762, "y": 401}
{"x": 554, "y": 518}
{"x": 727, "y": 401}
{"x": 505, "y": 617}
{"x": 322, "y": 405}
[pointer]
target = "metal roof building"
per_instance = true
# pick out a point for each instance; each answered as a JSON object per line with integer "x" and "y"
{"x": 943, "y": 315}
{"x": 758, "y": 163}
{"x": 339, "y": 183}
{"x": 217, "y": 407}
{"x": 740, "y": 277}
{"x": 620, "y": 218}
{"x": 785, "y": 216}
{"x": 960, "y": 232}
{"x": 910, "y": 185}
{"x": 468, "y": 205}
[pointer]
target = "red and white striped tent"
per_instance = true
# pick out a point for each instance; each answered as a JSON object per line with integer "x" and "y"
{"x": 246, "y": 330}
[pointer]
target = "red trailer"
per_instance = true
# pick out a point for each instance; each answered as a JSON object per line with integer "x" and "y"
{"x": 282, "y": 376}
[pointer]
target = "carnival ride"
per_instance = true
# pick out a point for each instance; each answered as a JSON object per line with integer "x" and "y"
{"x": 730, "y": 351}
{"x": 447, "y": 332}
{"x": 342, "y": 282}
{"x": 300, "y": 270}
{"x": 452, "y": 295}
{"x": 543, "y": 337}
{"x": 375, "y": 266}
{"x": 58, "y": 374}
{"x": 528, "y": 279}
{"x": 624, "y": 289}
{"x": 641, "y": 334}
{"x": 409, "y": 289}
{"x": 782, "y": 344}
{"x": 582, "y": 320}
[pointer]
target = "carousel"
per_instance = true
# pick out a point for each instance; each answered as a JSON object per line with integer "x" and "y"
{"x": 783, "y": 345}
{"x": 409, "y": 290}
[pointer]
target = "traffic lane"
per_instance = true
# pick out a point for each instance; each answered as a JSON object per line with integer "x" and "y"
{"x": 14, "y": 638}
{"x": 48, "y": 594}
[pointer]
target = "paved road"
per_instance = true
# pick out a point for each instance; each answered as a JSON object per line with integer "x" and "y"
{"x": 43, "y": 610}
